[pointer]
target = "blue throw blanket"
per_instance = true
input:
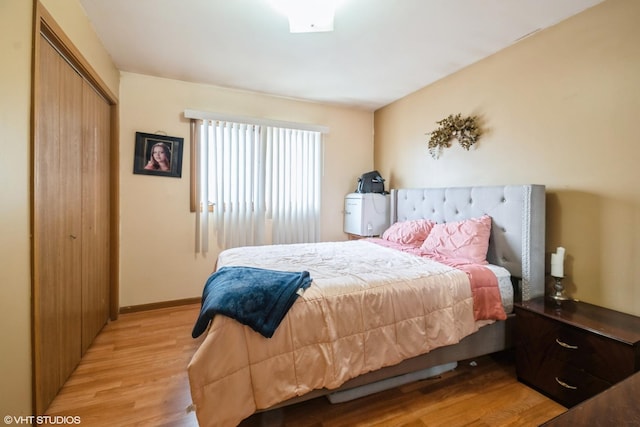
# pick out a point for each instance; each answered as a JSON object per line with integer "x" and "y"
{"x": 255, "y": 297}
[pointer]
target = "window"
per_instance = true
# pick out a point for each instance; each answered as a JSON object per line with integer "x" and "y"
{"x": 262, "y": 182}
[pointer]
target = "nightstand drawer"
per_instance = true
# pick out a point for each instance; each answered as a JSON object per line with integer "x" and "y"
{"x": 564, "y": 382}
{"x": 597, "y": 355}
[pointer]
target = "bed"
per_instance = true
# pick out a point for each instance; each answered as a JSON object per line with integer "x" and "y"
{"x": 372, "y": 316}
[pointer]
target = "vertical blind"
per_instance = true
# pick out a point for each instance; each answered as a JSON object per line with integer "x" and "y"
{"x": 262, "y": 182}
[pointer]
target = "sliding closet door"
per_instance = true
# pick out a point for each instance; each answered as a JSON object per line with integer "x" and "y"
{"x": 57, "y": 223}
{"x": 95, "y": 213}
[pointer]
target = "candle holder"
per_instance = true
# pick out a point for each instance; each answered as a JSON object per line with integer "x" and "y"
{"x": 559, "y": 290}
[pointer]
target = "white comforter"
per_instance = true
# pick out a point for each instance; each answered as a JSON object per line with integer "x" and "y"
{"x": 368, "y": 307}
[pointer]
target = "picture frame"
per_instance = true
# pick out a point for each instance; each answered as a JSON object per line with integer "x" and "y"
{"x": 167, "y": 160}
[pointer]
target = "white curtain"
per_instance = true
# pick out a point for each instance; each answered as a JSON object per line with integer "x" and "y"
{"x": 263, "y": 182}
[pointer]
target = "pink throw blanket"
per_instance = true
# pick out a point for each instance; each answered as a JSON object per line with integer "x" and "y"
{"x": 487, "y": 303}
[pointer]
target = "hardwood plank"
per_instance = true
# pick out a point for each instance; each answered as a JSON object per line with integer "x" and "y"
{"x": 135, "y": 374}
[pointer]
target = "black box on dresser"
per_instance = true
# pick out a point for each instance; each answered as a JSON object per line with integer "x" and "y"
{"x": 571, "y": 350}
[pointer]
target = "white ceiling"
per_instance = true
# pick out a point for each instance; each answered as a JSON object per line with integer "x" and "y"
{"x": 380, "y": 50}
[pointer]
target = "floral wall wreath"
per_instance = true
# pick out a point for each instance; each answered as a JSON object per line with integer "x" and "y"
{"x": 464, "y": 129}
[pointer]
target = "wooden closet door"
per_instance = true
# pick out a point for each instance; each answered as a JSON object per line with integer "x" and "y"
{"x": 57, "y": 223}
{"x": 74, "y": 208}
{"x": 95, "y": 213}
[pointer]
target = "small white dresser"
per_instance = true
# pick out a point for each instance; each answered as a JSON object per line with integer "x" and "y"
{"x": 366, "y": 214}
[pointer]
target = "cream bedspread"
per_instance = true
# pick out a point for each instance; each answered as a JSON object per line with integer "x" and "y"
{"x": 368, "y": 307}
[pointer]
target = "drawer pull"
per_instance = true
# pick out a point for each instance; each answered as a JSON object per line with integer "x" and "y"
{"x": 565, "y": 385}
{"x": 565, "y": 345}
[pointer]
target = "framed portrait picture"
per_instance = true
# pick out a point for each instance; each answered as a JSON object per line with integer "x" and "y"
{"x": 158, "y": 155}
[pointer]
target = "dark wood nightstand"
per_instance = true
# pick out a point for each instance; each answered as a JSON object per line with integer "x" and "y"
{"x": 574, "y": 350}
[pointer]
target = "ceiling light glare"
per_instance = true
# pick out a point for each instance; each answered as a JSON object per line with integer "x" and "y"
{"x": 307, "y": 15}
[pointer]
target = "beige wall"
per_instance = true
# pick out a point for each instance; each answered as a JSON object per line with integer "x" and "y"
{"x": 560, "y": 108}
{"x": 158, "y": 261}
{"x": 15, "y": 287}
{"x": 15, "y": 167}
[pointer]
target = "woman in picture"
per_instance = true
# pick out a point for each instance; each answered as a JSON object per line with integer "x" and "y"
{"x": 160, "y": 158}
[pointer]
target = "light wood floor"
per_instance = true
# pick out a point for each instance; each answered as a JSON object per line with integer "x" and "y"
{"x": 135, "y": 375}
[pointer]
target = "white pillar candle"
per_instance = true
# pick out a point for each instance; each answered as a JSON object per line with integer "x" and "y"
{"x": 557, "y": 263}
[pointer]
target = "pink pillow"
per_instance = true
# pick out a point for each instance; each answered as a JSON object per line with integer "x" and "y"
{"x": 411, "y": 232}
{"x": 463, "y": 241}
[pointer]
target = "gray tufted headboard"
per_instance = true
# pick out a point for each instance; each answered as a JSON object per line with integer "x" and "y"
{"x": 518, "y": 223}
